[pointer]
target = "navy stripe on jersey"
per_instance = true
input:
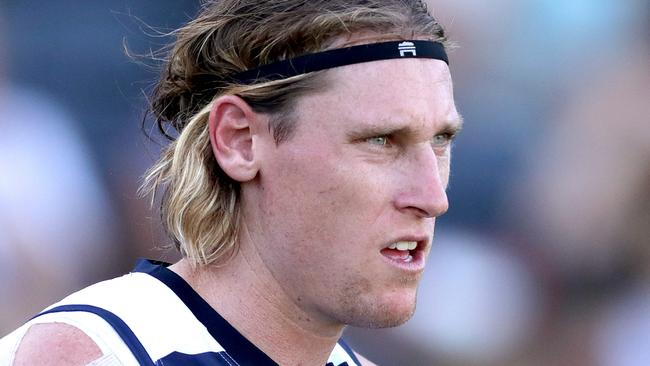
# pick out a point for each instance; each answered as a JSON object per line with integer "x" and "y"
{"x": 202, "y": 359}
{"x": 114, "y": 321}
{"x": 349, "y": 350}
{"x": 241, "y": 349}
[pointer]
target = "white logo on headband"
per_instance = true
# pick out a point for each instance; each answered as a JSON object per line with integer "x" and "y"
{"x": 406, "y": 48}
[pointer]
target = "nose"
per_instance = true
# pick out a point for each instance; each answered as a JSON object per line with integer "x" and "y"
{"x": 423, "y": 185}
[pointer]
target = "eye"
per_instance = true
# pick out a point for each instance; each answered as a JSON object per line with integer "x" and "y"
{"x": 378, "y": 140}
{"x": 441, "y": 140}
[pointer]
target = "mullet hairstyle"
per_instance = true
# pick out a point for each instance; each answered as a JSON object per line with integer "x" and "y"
{"x": 200, "y": 207}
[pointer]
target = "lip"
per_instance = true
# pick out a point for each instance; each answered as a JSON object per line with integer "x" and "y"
{"x": 419, "y": 254}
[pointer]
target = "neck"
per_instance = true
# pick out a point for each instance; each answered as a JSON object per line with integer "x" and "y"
{"x": 245, "y": 294}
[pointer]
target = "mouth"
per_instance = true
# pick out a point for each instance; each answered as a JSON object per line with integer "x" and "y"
{"x": 406, "y": 254}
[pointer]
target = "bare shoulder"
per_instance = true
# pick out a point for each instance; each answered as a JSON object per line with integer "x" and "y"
{"x": 56, "y": 344}
{"x": 364, "y": 361}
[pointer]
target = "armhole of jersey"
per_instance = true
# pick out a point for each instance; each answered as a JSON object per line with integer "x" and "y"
{"x": 118, "y": 325}
{"x": 349, "y": 351}
{"x": 93, "y": 326}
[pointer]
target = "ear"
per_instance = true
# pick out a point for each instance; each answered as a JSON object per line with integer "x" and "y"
{"x": 231, "y": 123}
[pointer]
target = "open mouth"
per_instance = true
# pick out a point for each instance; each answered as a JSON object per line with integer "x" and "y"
{"x": 402, "y": 251}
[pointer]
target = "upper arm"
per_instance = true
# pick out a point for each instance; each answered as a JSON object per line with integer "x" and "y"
{"x": 56, "y": 344}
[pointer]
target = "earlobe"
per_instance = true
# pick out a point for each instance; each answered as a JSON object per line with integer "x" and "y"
{"x": 232, "y": 124}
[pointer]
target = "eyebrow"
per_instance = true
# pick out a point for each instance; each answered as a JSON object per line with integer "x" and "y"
{"x": 452, "y": 127}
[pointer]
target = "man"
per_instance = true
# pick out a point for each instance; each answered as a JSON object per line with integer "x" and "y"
{"x": 311, "y": 160}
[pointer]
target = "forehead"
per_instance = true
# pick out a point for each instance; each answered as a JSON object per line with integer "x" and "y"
{"x": 413, "y": 92}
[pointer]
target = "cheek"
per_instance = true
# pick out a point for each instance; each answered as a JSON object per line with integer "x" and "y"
{"x": 324, "y": 199}
{"x": 323, "y": 220}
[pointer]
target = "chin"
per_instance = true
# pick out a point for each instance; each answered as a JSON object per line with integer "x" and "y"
{"x": 384, "y": 312}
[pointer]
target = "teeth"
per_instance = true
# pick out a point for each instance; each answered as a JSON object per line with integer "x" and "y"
{"x": 403, "y": 245}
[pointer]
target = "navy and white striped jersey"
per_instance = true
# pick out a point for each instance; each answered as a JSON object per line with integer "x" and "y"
{"x": 153, "y": 317}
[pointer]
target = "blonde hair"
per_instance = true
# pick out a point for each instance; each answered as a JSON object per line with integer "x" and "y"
{"x": 200, "y": 204}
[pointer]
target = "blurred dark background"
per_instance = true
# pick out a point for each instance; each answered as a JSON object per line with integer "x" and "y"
{"x": 543, "y": 258}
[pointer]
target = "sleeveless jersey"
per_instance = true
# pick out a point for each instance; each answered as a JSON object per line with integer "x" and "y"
{"x": 153, "y": 317}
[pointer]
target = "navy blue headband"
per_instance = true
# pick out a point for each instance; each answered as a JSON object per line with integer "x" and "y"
{"x": 342, "y": 56}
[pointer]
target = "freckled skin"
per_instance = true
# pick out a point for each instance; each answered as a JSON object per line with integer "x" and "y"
{"x": 326, "y": 205}
{"x": 56, "y": 344}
